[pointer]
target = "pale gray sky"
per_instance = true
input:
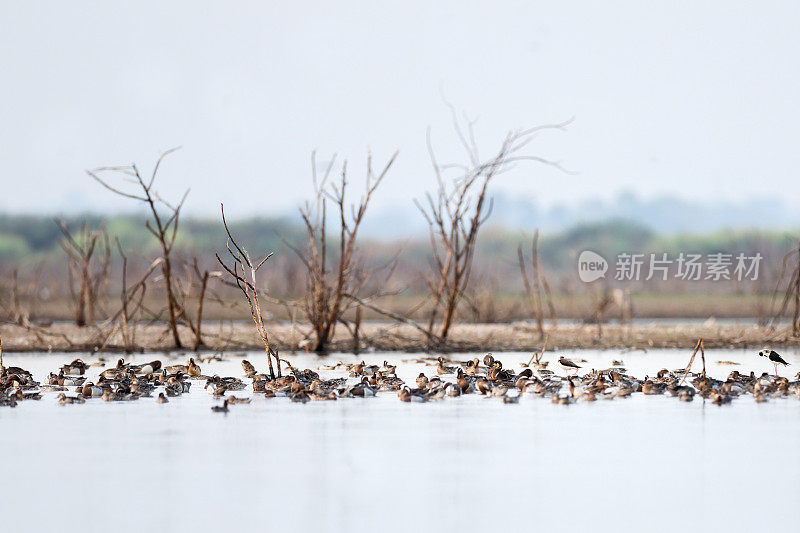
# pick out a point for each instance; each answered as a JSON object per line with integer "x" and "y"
{"x": 697, "y": 99}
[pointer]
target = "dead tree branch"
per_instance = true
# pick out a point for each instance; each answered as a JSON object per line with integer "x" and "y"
{"x": 459, "y": 207}
{"x": 244, "y": 270}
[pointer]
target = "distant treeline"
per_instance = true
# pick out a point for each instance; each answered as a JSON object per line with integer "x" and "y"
{"x": 24, "y": 237}
{"x": 35, "y": 238}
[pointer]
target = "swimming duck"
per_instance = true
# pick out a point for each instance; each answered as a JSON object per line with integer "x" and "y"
{"x": 404, "y": 394}
{"x": 174, "y": 389}
{"x": 649, "y": 387}
{"x": 63, "y": 399}
{"x": 587, "y": 396}
{"x": 483, "y": 386}
{"x": 66, "y": 381}
{"x": 496, "y": 372}
{"x": 686, "y": 394}
{"x": 221, "y": 408}
{"x": 441, "y": 369}
{"x": 192, "y": 369}
{"x": 90, "y": 390}
{"x": 76, "y": 367}
{"x": 356, "y": 369}
{"x": 147, "y": 368}
{"x": 472, "y": 367}
{"x": 463, "y": 383}
{"x": 174, "y": 369}
{"x": 386, "y": 368}
{"x": 561, "y": 399}
{"x": 233, "y": 400}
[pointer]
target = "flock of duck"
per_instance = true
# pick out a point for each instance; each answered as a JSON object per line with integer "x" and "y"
{"x": 487, "y": 377}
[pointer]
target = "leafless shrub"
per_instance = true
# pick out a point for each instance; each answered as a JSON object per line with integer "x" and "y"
{"x": 458, "y": 208}
{"x": 334, "y": 279}
{"x": 86, "y": 268}
{"x": 244, "y": 270}
{"x": 482, "y": 300}
{"x": 131, "y": 301}
{"x": 791, "y": 294}
{"x": 164, "y": 227}
{"x": 534, "y": 291}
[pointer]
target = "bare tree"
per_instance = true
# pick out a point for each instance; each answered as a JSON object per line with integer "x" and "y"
{"x": 164, "y": 227}
{"x": 244, "y": 271}
{"x": 87, "y": 270}
{"x": 459, "y": 207}
{"x": 334, "y": 279}
{"x": 534, "y": 290}
{"x": 131, "y": 301}
{"x": 791, "y": 293}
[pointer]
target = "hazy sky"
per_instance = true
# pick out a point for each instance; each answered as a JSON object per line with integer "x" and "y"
{"x": 696, "y": 99}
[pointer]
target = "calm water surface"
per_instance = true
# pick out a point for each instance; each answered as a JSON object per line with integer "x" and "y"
{"x": 470, "y": 463}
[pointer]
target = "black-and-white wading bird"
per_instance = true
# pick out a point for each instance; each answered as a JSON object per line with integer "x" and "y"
{"x": 774, "y": 358}
{"x": 568, "y": 365}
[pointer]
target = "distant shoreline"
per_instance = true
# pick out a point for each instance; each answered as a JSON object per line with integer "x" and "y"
{"x": 385, "y": 337}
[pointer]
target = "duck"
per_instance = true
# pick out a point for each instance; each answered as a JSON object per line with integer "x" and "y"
{"x": 90, "y": 390}
{"x": 649, "y": 387}
{"x": 686, "y": 394}
{"x": 496, "y": 372}
{"x": 561, "y": 399}
{"x": 63, "y": 399}
{"x": 386, "y": 368}
{"x": 174, "y": 389}
{"x": 483, "y": 386}
{"x": 114, "y": 373}
{"x": 300, "y": 396}
{"x": 161, "y": 398}
{"x": 249, "y": 369}
{"x": 174, "y": 369}
{"x": 233, "y": 400}
{"x": 148, "y": 368}
{"x": 441, "y": 369}
{"x": 220, "y": 408}
{"x": 407, "y": 395}
{"x": 587, "y": 396}
{"x": 356, "y": 369}
{"x": 76, "y": 367}
{"x": 16, "y": 371}
{"x": 65, "y": 381}
{"x": 404, "y": 394}
{"x": 527, "y": 373}
{"x": 193, "y": 369}
{"x": 464, "y": 384}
